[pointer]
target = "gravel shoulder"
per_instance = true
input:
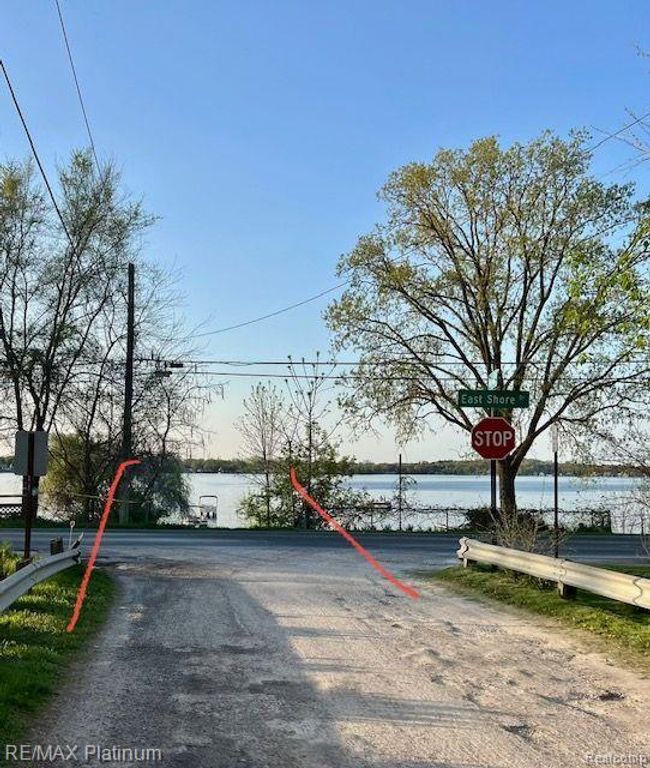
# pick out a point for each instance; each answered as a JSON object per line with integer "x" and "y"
{"x": 287, "y": 657}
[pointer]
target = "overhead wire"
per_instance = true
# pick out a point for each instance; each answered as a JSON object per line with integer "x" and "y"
{"x": 35, "y": 154}
{"x": 272, "y": 314}
{"x": 349, "y": 363}
{"x": 77, "y": 86}
{"x": 355, "y": 376}
{"x": 619, "y": 132}
{"x": 345, "y": 282}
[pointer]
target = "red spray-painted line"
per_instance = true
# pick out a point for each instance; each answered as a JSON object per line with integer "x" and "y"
{"x": 348, "y": 537}
{"x": 98, "y": 540}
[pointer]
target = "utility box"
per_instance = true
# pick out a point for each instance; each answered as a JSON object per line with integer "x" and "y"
{"x": 30, "y": 456}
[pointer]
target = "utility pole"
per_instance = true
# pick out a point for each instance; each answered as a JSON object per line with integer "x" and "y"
{"x": 555, "y": 438}
{"x": 128, "y": 391}
{"x": 293, "y": 495}
{"x": 28, "y": 498}
{"x": 399, "y": 494}
{"x": 309, "y": 468}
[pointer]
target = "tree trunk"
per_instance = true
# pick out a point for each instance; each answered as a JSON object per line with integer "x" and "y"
{"x": 507, "y": 496}
{"x": 267, "y": 493}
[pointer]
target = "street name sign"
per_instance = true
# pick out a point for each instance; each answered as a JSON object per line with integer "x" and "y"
{"x": 493, "y": 398}
{"x": 493, "y": 438}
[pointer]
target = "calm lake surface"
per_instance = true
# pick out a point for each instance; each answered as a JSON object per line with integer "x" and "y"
{"x": 439, "y": 491}
{"x": 449, "y": 491}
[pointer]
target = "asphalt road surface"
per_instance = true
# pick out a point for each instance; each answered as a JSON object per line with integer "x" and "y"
{"x": 411, "y": 550}
{"x": 241, "y": 650}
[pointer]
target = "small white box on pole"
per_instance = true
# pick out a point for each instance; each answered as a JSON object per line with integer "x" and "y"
{"x": 30, "y": 463}
{"x": 555, "y": 437}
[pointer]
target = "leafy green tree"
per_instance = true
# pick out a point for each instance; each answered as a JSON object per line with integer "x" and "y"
{"x": 78, "y": 477}
{"x": 329, "y": 474}
{"x": 158, "y": 488}
{"x": 510, "y": 262}
{"x": 80, "y": 472}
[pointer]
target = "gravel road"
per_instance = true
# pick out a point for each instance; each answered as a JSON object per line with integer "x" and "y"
{"x": 282, "y": 656}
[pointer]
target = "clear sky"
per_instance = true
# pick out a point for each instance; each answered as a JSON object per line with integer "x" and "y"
{"x": 260, "y": 131}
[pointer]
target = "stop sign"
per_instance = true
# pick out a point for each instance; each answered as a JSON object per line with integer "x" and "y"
{"x": 493, "y": 438}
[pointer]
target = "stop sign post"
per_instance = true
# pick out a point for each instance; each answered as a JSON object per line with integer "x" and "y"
{"x": 493, "y": 438}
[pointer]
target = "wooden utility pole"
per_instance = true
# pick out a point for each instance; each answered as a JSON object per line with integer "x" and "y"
{"x": 128, "y": 391}
{"x": 555, "y": 439}
{"x": 399, "y": 495}
{"x": 306, "y": 507}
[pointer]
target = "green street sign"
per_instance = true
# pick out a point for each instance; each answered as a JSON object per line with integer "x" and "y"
{"x": 493, "y": 398}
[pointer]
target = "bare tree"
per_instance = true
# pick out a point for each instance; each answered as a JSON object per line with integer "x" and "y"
{"x": 63, "y": 289}
{"x": 310, "y": 409}
{"x": 55, "y": 280}
{"x": 262, "y": 428}
{"x": 628, "y": 445}
{"x": 167, "y": 402}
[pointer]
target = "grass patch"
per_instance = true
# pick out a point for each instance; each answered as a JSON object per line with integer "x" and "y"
{"x": 8, "y": 560}
{"x": 35, "y": 648}
{"x": 621, "y": 627}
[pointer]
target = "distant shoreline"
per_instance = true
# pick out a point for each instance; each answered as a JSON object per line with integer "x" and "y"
{"x": 529, "y": 468}
{"x": 466, "y": 468}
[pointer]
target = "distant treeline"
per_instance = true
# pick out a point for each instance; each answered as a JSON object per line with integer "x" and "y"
{"x": 450, "y": 467}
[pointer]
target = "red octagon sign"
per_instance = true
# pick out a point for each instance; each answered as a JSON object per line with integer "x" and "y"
{"x": 493, "y": 438}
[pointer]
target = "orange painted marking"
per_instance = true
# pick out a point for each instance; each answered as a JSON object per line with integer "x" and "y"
{"x": 81, "y": 596}
{"x": 348, "y": 537}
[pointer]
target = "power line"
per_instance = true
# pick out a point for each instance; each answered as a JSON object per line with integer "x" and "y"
{"x": 619, "y": 132}
{"x": 345, "y": 282}
{"x": 35, "y": 153}
{"x": 343, "y": 376}
{"x": 272, "y": 314}
{"x": 350, "y": 363}
{"x": 76, "y": 82}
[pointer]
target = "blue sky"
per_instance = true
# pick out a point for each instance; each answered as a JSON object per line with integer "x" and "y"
{"x": 260, "y": 131}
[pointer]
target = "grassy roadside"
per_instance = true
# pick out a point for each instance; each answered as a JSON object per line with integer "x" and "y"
{"x": 620, "y": 628}
{"x": 35, "y": 649}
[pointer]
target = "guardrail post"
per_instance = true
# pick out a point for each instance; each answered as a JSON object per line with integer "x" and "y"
{"x": 566, "y": 591}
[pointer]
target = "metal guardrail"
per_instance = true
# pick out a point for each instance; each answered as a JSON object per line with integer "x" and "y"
{"x": 568, "y": 575}
{"x": 22, "y": 581}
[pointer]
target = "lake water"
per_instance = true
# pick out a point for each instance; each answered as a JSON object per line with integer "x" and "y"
{"x": 449, "y": 491}
{"x": 442, "y": 491}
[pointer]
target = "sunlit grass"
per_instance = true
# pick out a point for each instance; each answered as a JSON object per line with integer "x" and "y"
{"x": 623, "y": 628}
{"x": 35, "y": 649}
